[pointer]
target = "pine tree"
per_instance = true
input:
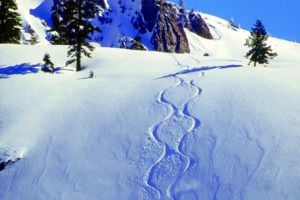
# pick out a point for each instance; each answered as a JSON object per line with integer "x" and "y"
{"x": 48, "y": 64}
{"x": 231, "y": 23}
{"x": 57, "y": 17}
{"x": 10, "y": 22}
{"x": 34, "y": 39}
{"x": 92, "y": 75}
{"x": 182, "y": 4}
{"x": 77, "y": 18}
{"x": 259, "y": 51}
{"x": 137, "y": 44}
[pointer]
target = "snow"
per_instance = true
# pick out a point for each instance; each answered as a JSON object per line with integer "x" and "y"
{"x": 151, "y": 125}
{"x": 25, "y": 9}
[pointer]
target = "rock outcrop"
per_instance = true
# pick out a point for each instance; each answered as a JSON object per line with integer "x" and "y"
{"x": 194, "y": 22}
{"x": 160, "y": 24}
{"x": 8, "y": 157}
{"x": 4, "y": 164}
{"x": 161, "y": 19}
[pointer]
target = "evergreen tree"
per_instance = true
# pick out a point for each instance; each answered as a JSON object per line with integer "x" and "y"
{"x": 10, "y": 22}
{"x": 57, "y": 16}
{"x": 259, "y": 51}
{"x": 92, "y": 75}
{"x": 182, "y": 4}
{"x": 137, "y": 43}
{"x": 78, "y": 15}
{"x": 34, "y": 39}
{"x": 48, "y": 64}
{"x": 231, "y": 23}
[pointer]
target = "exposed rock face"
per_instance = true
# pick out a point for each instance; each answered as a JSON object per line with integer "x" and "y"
{"x": 150, "y": 8}
{"x": 159, "y": 23}
{"x": 7, "y": 157}
{"x": 4, "y": 164}
{"x": 194, "y": 22}
{"x": 198, "y": 25}
{"x": 168, "y": 35}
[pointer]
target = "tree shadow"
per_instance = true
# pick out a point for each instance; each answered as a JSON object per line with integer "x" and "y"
{"x": 22, "y": 69}
{"x": 197, "y": 69}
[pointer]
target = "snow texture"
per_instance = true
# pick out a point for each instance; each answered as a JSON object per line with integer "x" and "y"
{"x": 151, "y": 125}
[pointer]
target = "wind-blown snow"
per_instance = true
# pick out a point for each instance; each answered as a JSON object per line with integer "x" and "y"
{"x": 151, "y": 125}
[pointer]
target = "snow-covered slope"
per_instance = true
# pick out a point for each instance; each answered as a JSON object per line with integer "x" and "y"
{"x": 151, "y": 125}
{"x": 33, "y": 19}
{"x": 37, "y": 15}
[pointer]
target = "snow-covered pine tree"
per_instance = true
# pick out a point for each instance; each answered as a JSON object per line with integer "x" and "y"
{"x": 136, "y": 44}
{"x": 259, "y": 51}
{"x": 48, "y": 65}
{"x": 57, "y": 17}
{"x": 78, "y": 15}
{"x": 182, "y": 4}
{"x": 34, "y": 39}
{"x": 231, "y": 23}
{"x": 92, "y": 75}
{"x": 10, "y": 22}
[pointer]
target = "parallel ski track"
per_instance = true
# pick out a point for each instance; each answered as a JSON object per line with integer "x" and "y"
{"x": 182, "y": 111}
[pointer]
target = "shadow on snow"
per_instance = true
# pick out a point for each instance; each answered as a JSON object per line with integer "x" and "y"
{"x": 205, "y": 68}
{"x": 22, "y": 69}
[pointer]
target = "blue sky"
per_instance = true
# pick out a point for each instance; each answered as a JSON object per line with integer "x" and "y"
{"x": 281, "y": 18}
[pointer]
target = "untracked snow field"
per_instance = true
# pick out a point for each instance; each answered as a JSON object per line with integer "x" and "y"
{"x": 151, "y": 125}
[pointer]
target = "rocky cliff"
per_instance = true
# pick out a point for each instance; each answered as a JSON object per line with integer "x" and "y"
{"x": 167, "y": 22}
{"x": 160, "y": 25}
{"x": 194, "y": 22}
{"x": 168, "y": 34}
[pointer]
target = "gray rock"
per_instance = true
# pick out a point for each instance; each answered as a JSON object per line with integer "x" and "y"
{"x": 168, "y": 35}
{"x": 198, "y": 25}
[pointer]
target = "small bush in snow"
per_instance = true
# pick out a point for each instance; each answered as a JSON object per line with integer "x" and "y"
{"x": 92, "y": 75}
{"x": 48, "y": 66}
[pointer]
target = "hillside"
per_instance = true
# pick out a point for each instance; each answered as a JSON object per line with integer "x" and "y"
{"x": 151, "y": 125}
{"x": 159, "y": 24}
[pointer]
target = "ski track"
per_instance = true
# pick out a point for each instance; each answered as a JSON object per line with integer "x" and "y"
{"x": 162, "y": 176}
{"x": 176, "y": 163}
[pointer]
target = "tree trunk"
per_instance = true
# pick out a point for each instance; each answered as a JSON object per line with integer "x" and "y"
{"x": 255, "y": 61}
{"x": 78, "y": 67}
{"x": 2, "y": 18}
